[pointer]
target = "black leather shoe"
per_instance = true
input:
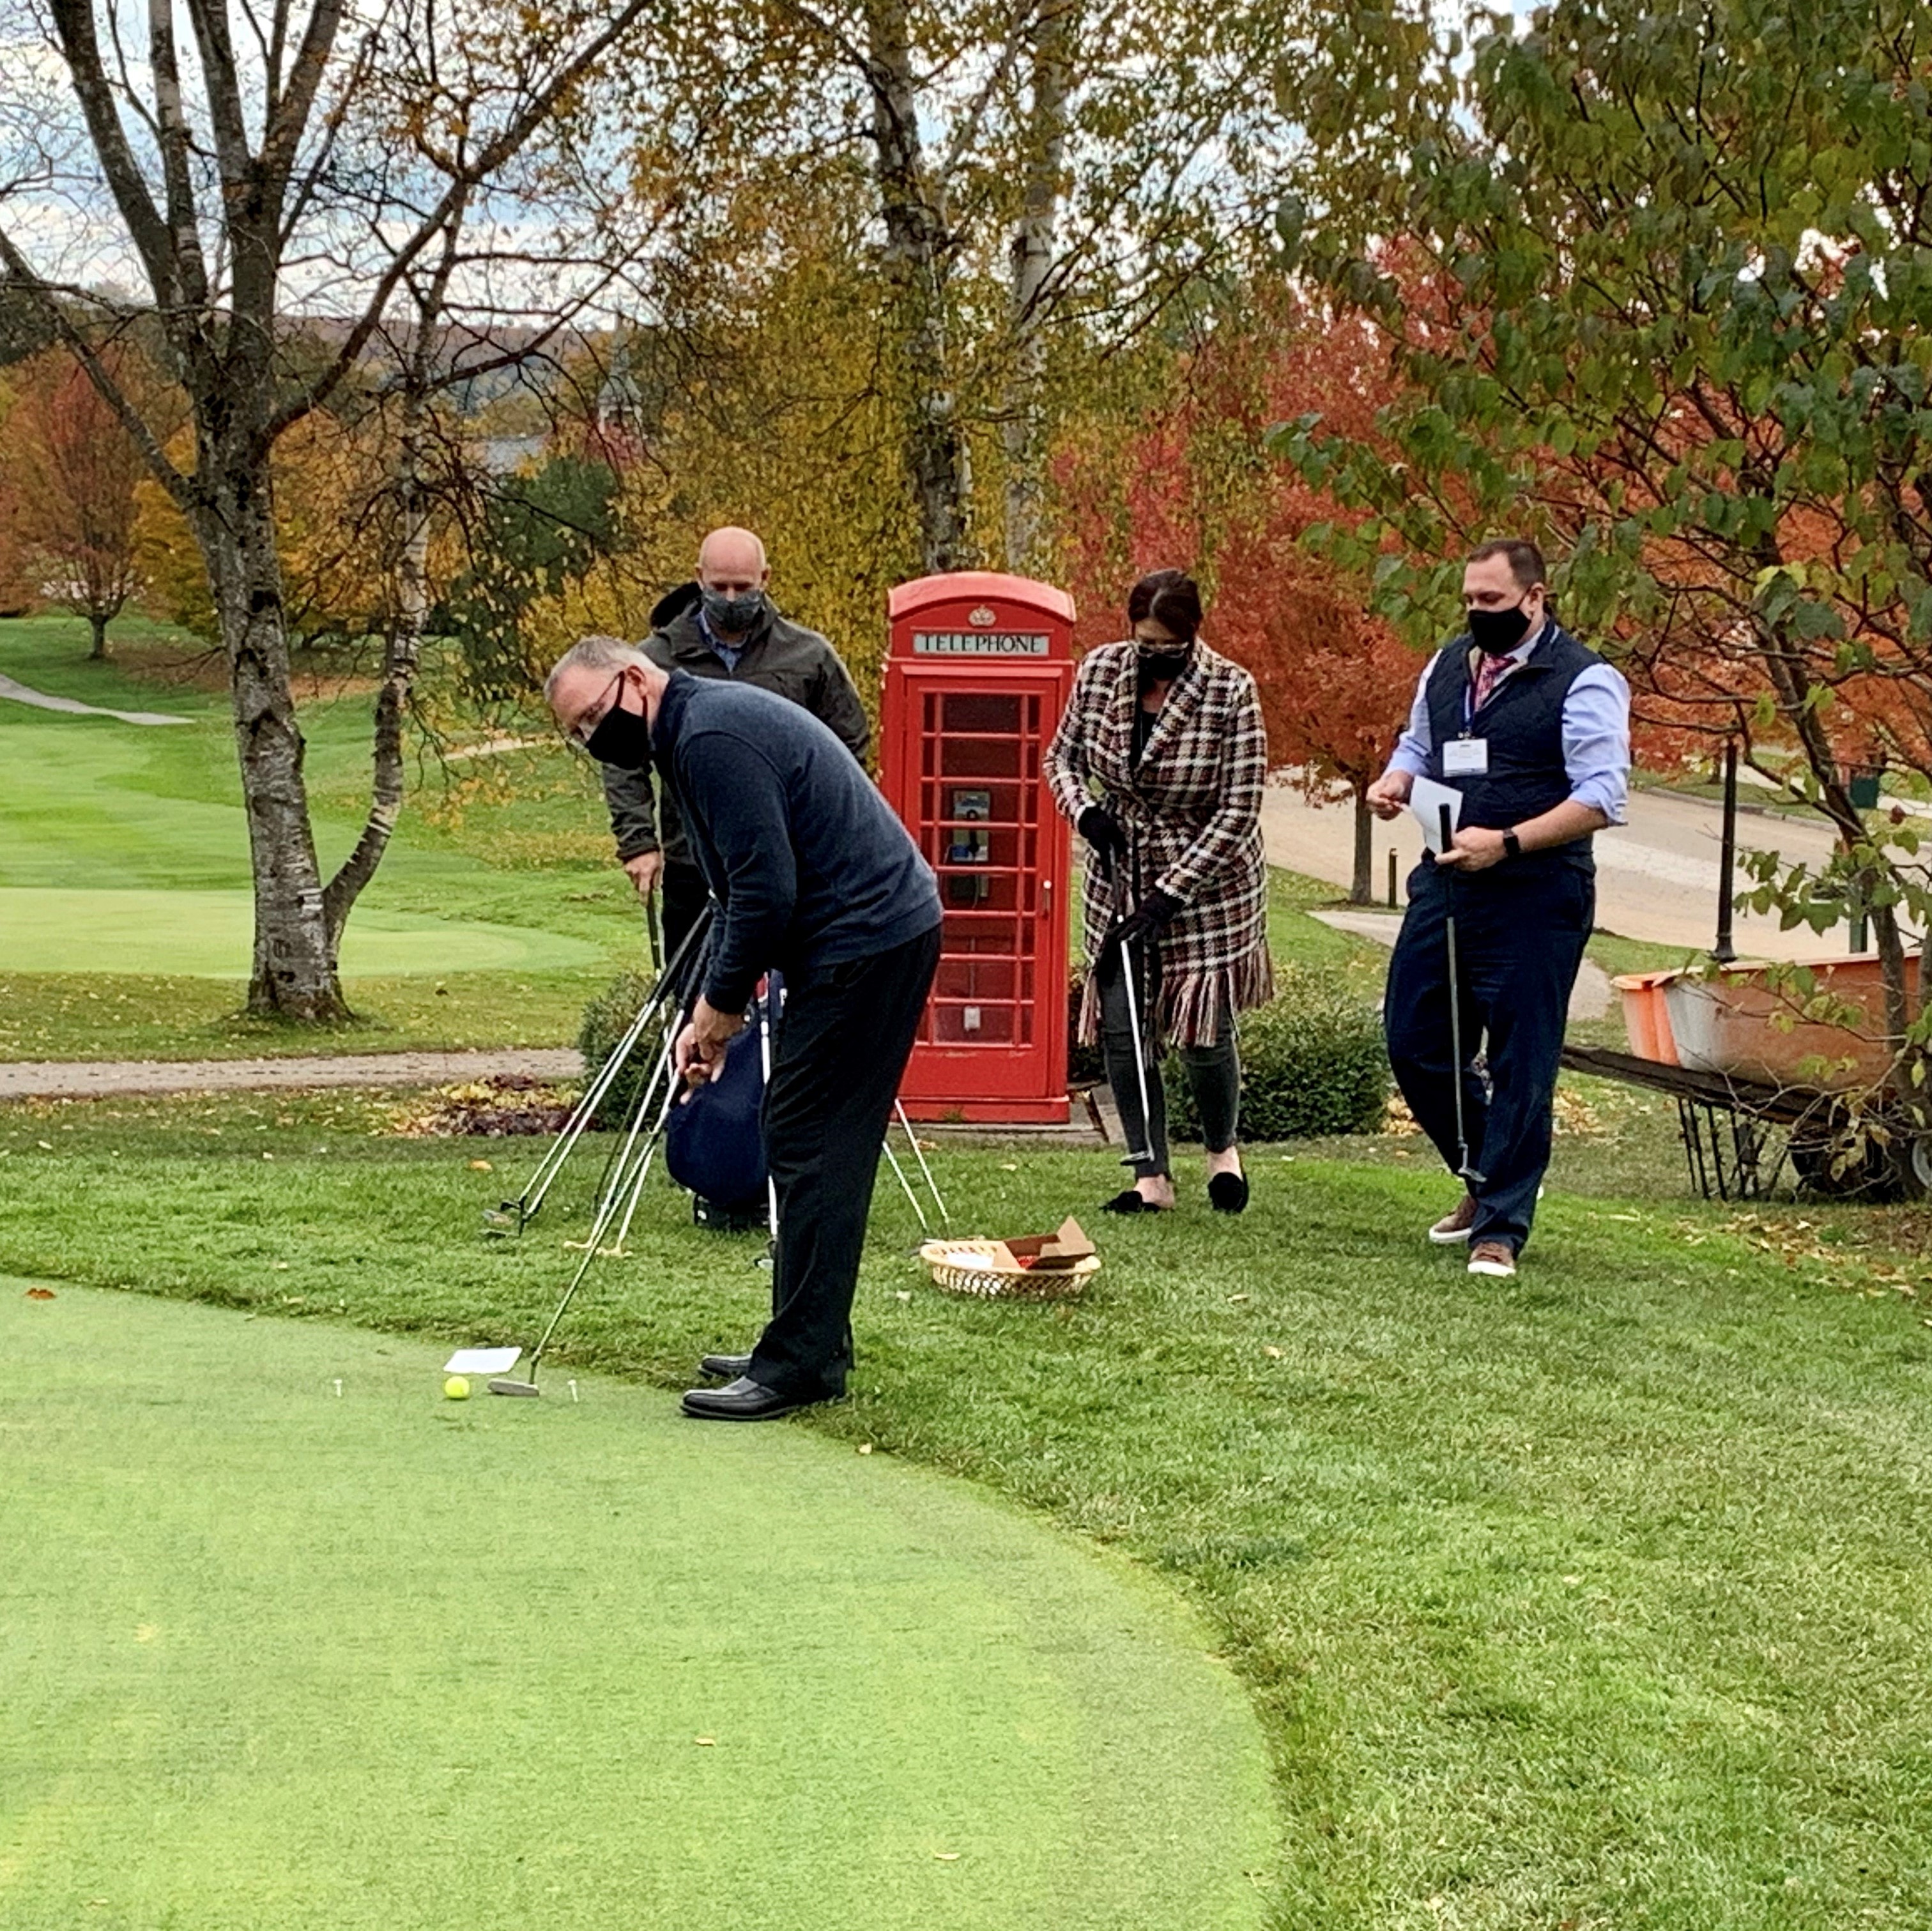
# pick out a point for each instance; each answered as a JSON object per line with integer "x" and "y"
{"x": 744, "y": 1400}
{"x": 1130, "y": 1202}
{"x": 730, "y": 1366}
{"x": 1228, "y": 1193}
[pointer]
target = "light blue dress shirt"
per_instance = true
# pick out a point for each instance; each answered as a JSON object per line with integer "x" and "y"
{"x": 727, "y": 654}
{"x": 1596, "y": 734}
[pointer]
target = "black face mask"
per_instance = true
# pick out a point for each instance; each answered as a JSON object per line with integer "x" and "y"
{"x": 622, "y": 738}
{"x": 1162, "y": 667}
{"x": 1497, "y": 633}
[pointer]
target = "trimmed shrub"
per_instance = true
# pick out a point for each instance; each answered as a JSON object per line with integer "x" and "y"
{"x": 606, "y": 1019}
{"x": 1313, "y": 1062}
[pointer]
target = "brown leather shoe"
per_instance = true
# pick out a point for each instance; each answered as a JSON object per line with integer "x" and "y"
{"x": 1453, "y": 1231}
{"x": 1496, "y": 1258}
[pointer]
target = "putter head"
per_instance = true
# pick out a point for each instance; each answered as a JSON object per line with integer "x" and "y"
{"x": 1134, "y": 1159}
{"x": 504, "y": 1220}
{"x": 505, "y": 1386}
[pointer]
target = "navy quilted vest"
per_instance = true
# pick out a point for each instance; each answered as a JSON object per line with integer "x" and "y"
{"x": 1523, "y": 722}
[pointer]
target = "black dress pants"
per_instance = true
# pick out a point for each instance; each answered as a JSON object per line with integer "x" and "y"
{"x": 841, "y": 1052}
{"x": 1519, "y": 942}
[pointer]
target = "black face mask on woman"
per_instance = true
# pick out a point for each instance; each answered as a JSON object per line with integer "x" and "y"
{"x": 622, "y": 738}
{"x": 1497, "y": 633}
{"x": 1163, "y": 665}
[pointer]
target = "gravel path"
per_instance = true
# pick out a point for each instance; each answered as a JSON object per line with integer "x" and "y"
{"x": 80, "y": 1079}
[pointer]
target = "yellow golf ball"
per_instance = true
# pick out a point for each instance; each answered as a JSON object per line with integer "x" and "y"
{"x": 456, "y": 1388}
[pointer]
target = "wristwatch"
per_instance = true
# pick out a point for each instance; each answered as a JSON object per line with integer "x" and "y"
{"x": 1512, "y": 845}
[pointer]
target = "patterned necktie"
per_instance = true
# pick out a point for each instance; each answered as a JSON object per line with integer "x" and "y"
{"x": 1488, "y": 677}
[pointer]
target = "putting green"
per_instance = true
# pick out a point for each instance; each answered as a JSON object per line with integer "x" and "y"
{"x": 279, "y": 1655}
{"x": 210, "y": 935}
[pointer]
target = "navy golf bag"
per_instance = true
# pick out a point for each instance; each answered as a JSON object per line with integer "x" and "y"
{"x": 715, "y": 1142}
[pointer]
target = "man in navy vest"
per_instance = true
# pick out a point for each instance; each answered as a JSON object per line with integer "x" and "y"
{"x": 1534, "y": 730}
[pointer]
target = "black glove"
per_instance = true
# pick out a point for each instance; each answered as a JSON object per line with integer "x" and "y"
{"x": 1147, "y": 920}
{"x": 1101, "y": 830}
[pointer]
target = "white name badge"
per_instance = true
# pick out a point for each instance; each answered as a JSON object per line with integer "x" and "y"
{"x": 1465, "y": 757}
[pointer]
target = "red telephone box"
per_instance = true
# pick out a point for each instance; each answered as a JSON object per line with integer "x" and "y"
{"x": 977, "y": 675}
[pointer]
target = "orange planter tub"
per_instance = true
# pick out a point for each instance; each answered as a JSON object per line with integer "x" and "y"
{"x": 1647, "y": 1015}
{"x": 1741, "y": 1024}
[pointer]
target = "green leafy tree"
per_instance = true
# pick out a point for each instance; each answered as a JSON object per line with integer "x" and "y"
{"x": 1657, "y": 281}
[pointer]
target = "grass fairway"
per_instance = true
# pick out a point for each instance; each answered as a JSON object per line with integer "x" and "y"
{"x": 123, "y": 856}
{"x": 280, "y": 1657}
{"x": 1598, "y": 1597}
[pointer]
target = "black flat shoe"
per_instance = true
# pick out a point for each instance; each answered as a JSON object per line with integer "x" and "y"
{"x": 729, "y": 1366}
{"x": 1131, "y": 1202}
{"x": 745, "y": 1400}
{"x": 1228, "y": 1193}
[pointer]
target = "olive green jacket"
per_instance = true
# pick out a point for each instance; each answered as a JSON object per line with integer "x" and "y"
{"x": 778, "y": 656}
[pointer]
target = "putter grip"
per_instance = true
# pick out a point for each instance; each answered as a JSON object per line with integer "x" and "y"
{"x": 1446, "y": 833}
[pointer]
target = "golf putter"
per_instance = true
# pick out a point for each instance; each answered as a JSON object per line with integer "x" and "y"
{"x": 1129, "y": 974}
{"x": 626, "y": 1183}
{"x": 1471, "y": 1177}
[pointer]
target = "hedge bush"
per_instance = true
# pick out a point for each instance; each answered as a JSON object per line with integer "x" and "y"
{"x": 1313, "y": 1062}
{"x": 606, "y": 1019}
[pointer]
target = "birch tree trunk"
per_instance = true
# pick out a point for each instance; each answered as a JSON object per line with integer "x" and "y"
{"x": 918, "y": 263}
{"x": 1031, "y": 261}
{"x": 293, "y": 972}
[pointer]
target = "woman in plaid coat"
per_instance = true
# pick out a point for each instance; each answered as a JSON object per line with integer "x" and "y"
{"x": 1160, "y": 760}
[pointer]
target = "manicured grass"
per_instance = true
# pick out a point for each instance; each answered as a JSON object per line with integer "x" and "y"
{"x": 112, "y": 1016}
{"x": 1595, "y": 1598}
{"x": 293, "y": 1641}
{"x": 124, "y": 859}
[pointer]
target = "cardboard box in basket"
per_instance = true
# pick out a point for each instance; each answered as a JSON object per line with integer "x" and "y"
{"x": 1044, "y": 1253}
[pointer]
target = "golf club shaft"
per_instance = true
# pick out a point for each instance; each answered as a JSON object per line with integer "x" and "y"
{"x": 765, "y": 1071}
{"x": 1455, "y": 999}
{"x": 905, "y": 1186}
{"x": 1129, "y": 974}
{"x": 662, "y": 989}
{"x": 918, "y": 1154}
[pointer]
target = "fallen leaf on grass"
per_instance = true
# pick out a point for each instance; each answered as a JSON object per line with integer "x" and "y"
{"x": 1273, "y": 1354}
{"x": 1237, "y": 1297}
{"x": 482, "y": 1167}
{"x": 947, "y": 1856}
{"x": 39, "y": 1293}
{"x": 1006, "y": 1167}
{"x": 865, "y": 1448}
{"x": 709, "y": 1742}
{"x": 45, "y": 1146}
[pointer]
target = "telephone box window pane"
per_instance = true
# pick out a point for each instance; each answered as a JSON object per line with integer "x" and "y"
{"x": 981, "y": 711}
{"x": 981, "y": 937}
{"x": 975, "y": 979}
{"x": 980, "y": 757}
{"x": 988, "y": 891}
{"x": 969, "y": 1025}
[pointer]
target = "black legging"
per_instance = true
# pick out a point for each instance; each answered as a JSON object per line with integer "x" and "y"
{"x": 1213, "y": 1072}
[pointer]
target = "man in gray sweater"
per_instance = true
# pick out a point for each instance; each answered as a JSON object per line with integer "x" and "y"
{"x": 721, "y": 625}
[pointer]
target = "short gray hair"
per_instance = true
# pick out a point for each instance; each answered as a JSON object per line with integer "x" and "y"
{"x": 608, "y": 654}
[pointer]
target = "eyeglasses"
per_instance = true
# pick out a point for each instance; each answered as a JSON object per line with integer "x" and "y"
{"x": 585, "y": 729}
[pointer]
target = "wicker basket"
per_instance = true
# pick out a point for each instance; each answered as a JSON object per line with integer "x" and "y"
{"x": 967, "y": 1267}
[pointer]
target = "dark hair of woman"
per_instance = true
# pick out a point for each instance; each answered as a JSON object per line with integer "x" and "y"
{"x": 1171, "y": 598}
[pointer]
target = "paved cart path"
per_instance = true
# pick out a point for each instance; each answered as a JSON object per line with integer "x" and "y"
{"x": 81, "y": 1079}
{"x": 293, "y": 1641}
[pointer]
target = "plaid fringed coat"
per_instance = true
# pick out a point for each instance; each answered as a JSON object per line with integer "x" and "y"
{"x": 1191, "y": 811}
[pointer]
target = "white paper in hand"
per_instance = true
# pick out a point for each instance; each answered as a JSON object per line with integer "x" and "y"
{"x": 1426, "y": 799}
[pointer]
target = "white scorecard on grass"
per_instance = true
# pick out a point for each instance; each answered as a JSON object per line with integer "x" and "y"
{"x": 481, "y": 1360}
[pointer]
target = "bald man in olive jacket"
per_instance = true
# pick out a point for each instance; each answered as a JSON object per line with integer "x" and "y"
{"x": 723, "y": 625}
